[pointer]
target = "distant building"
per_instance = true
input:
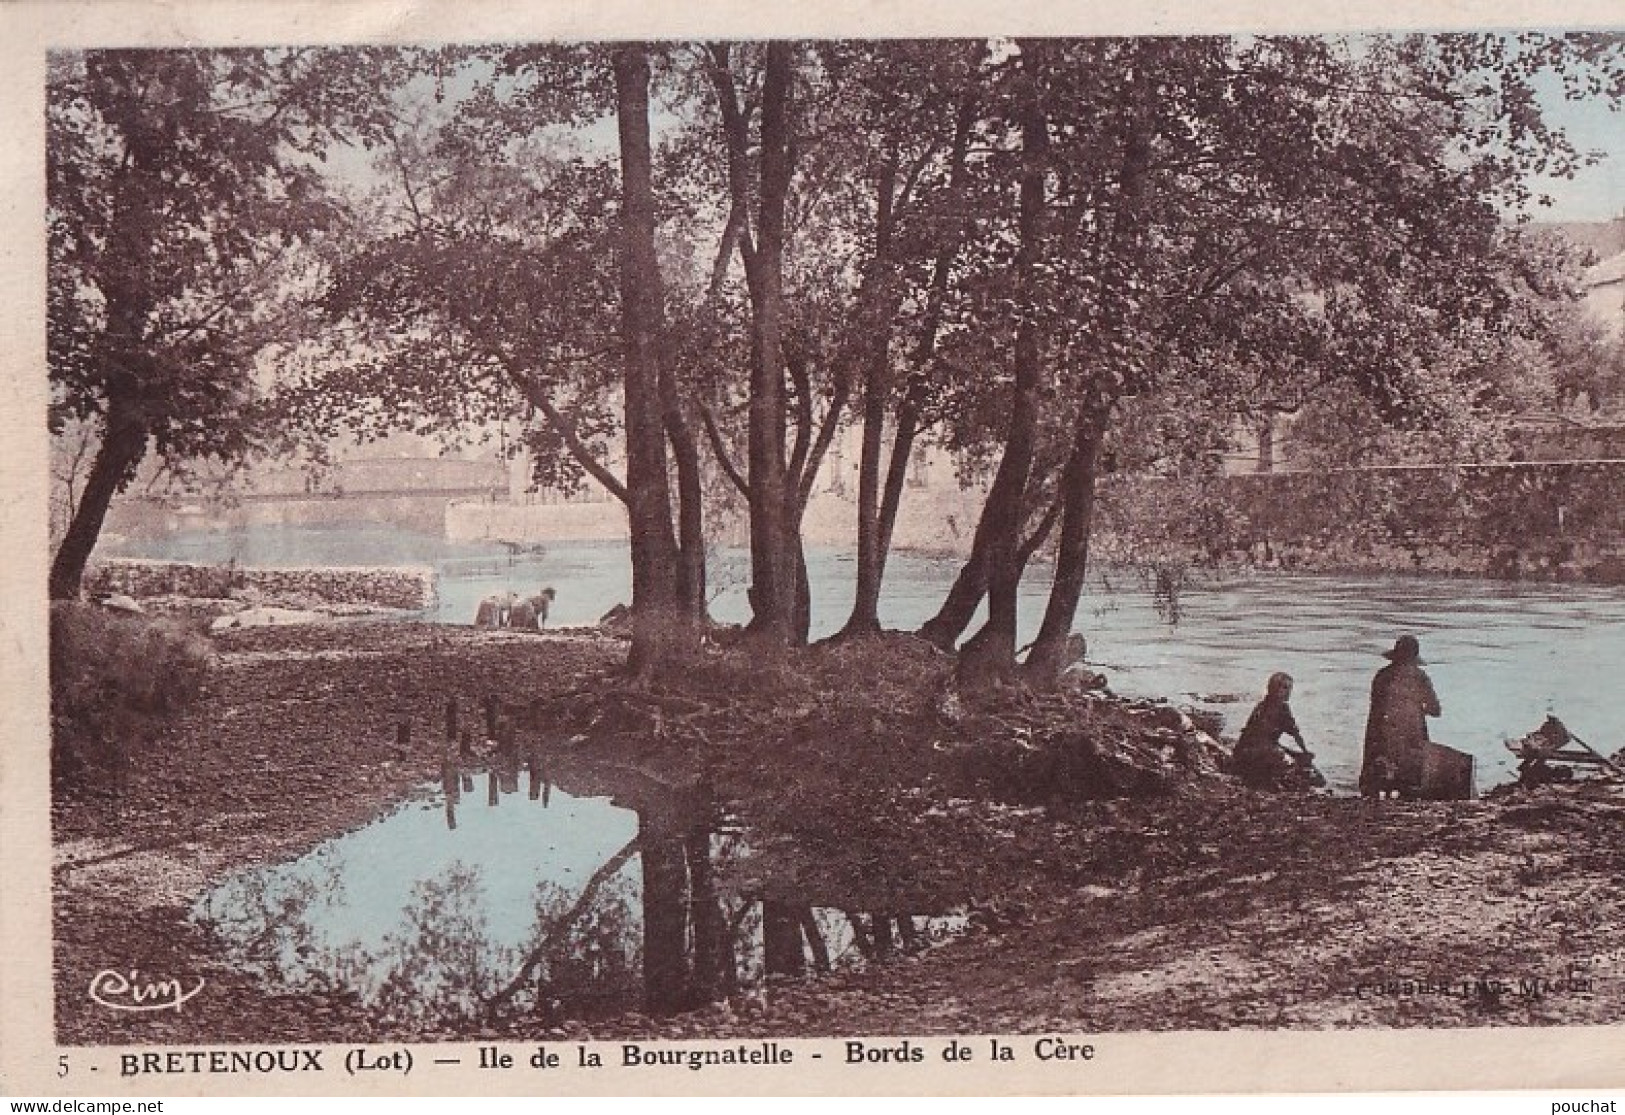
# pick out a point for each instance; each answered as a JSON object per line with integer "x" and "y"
{"x": 1605, "y": 294}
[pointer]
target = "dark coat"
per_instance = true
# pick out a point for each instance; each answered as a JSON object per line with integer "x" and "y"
{"x": 1396, "y": 733}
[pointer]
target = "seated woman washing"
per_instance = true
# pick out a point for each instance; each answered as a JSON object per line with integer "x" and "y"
{"x": 1260, "y": 760}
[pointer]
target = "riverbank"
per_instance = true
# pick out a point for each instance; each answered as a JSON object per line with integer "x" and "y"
{"x": 1202, "y": 906}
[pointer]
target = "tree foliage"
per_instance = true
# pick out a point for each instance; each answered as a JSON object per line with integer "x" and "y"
{"x": 183, "y": 186}
{"x": 1053, "y": 258}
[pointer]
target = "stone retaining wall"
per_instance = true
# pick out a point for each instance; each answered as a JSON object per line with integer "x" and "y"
{"x": 1548, "y": 521}
{"x": 407, "y": 587}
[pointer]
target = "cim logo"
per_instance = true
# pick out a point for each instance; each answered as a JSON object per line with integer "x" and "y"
{"x": 118, "y": 991}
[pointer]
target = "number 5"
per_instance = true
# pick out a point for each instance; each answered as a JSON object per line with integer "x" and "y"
{"x": 62, "y": 1066}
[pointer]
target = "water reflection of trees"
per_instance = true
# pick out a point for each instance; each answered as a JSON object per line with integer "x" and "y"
{"x": 441, "y": 964}
{"x": 706, "y": 931}
{"x": 444, "y": 965}
{"x": 712, "y": 926}
{"x": 269, "y": 919}
{"x": 830, "y": 938}
{"x": 697, "y": 919}
{"x": 582, "y": 949}
{"x": 708, "y": 927}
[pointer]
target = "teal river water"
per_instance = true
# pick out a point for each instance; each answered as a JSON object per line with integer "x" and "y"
{"x": 1502, "y": 655}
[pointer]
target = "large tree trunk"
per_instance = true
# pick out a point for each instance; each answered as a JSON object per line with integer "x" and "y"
{"x": 944, "y": 629}
{"x": 691, "y": 573}
{"x": 891, "y": 496}
{"x": 877, "y": 506}
{"x": 801, "y": 617}
{"x": 1049, "y": 653}
{"x": 809, "y": 454}
{"x": 866, "y": 603}
{"x": 772, "y": 562}
{"x": 865, "y": 617}
{"x": 711, "y": 949}
{"x": 769, "y": 488}
{"x": 124, "y": 444}
{"x": 991, "y": 653}
{"x": 658, "y": 622}
{"x": 664, "y": 856}
{"x": 1048, "y": 656}
{"x": 783, "y": 953}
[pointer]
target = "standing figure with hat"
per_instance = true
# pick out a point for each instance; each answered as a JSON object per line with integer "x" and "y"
{"x": 1396, "y": 734}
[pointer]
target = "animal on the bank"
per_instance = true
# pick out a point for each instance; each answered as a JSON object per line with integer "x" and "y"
{"x": 540, "y": 603}
{"x": 530, "y": 613}
{"x": 509, "y": 609}
{"x": 494, "y": 610}
{"x": 489, "y": 613}
{"x": 522, "y": 617}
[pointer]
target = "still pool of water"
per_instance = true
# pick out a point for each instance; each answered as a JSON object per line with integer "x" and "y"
{"x": 1502, "y": 656}
{"x": 422, "y": 919}
{"x": 473, "y": 898}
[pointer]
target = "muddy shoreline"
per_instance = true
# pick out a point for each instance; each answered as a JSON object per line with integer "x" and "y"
{"x": 1212, "y": 908}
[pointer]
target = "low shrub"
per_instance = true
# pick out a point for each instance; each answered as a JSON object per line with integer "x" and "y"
{"x": 114, "y": 678}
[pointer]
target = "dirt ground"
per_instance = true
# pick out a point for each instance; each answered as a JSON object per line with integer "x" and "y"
{"x": 1203, "y": 906}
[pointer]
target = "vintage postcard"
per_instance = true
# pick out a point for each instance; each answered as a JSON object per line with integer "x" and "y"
{"x": 563, "y": 549}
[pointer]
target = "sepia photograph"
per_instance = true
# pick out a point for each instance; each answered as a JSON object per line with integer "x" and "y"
{"x": 909, "y": 542}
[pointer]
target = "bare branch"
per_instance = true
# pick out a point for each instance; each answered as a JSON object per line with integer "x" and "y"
{"x": 556, "y": 932}
{"x": 719, "y": 449}
{"x": 826, "y": 435}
